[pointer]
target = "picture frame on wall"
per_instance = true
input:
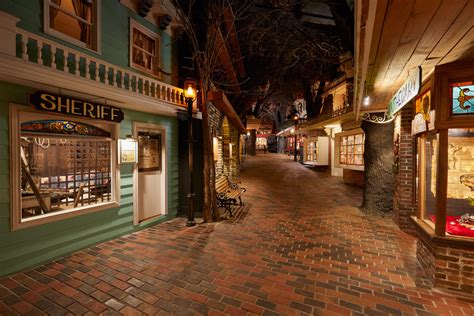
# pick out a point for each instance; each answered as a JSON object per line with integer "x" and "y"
{"x": 128, "y": 151}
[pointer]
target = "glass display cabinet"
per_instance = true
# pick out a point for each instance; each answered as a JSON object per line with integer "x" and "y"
{"x": 445, "y": 154}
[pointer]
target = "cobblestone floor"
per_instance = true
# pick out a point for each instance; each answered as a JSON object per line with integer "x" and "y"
{"x": 299, "y": 246}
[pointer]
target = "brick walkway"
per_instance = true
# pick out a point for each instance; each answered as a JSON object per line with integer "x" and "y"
{"x": 299, "y": 246}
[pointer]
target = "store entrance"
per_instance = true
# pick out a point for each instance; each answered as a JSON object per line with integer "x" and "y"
{"x": 150, "y": 174}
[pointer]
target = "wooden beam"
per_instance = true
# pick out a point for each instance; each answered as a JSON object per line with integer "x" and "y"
{"x": 226, "y": 61}
{"x": 220, "y": 101}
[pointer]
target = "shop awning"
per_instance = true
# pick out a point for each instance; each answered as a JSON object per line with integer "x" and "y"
{"x": 220, "y": 101}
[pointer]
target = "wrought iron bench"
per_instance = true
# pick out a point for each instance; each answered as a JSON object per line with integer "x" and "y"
{"x": 228, "y": 192}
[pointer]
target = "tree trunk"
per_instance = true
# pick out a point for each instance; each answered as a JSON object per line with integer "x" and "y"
{"x": 378, "y": 173}
{"x": 210, "y": 211}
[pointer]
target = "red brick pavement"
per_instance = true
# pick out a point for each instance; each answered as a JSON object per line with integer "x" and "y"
{"x": 299, "y": 246}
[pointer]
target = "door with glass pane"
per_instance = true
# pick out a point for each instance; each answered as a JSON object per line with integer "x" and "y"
{"x": 150, "y": 174}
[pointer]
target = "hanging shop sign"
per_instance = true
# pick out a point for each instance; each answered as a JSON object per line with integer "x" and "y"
{"x": 53, "y": 103}
{"x": 408, "y": 91}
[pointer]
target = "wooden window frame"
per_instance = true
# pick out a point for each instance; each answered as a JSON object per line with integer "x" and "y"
{"x": 354, "y": 146}
{"x": 157, "y": 58}
{"x": 95, "y": 28}
{"x": 16, "y": 110}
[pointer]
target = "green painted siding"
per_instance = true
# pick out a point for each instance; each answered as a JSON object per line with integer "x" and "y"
{"x": 27, "y": 247}
{"x": 115, "y": 27}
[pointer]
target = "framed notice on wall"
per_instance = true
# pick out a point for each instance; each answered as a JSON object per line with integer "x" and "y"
{"x": 149, "y": 151}
{"x": 127, "y": 151}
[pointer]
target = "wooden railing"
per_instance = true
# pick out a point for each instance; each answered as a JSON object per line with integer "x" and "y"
{"x": 36, "y": 49}
{"x": 333, "y": 114}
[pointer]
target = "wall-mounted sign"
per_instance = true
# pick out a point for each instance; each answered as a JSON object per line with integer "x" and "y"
{"x": 45, "y": 101}
{"x": 407, "y": 91}
{"x": 128, "y": 151}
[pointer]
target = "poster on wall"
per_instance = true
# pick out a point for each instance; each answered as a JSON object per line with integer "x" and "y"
{"x": 127, "y": 151}
{"x": 423, "y": 105}
{"x": 149, "y": 152}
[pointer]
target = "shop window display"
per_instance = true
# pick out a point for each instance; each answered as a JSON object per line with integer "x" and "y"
{"x": 351, "y": 150}
{"x": 312, "y": 153}
{"x": 460, "y": 199}
{"x": 429, "y": 171}
{"x": 65, "y": 165}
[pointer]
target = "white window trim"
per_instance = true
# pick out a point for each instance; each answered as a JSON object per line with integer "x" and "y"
{"x": 15, "y": 189}
{"x": 50, "y": 31}
{"x": 147, "y": 32}
{"x": 337, "y": 147}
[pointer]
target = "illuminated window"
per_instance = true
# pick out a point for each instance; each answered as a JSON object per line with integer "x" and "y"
{"x": 73, "y": 20}
{"x": 144, "y": 46}
{"x": 351, "y": 150}
{"x": 64, "y": 168}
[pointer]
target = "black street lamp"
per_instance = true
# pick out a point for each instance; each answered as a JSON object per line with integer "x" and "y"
{"x": 295, "y": 119}
{"x": 190, "y": 95}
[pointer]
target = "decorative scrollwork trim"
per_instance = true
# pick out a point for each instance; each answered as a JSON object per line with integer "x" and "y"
{"x": 377, "y": 117}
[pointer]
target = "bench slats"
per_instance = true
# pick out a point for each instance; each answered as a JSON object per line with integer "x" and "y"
{"x": 227, "y": 192}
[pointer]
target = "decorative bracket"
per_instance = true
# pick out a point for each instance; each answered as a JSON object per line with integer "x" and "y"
{"x": 377, "y": 117}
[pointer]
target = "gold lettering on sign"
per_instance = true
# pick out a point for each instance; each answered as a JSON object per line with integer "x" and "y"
{"x": 44, "y": 101}
{"x": 74, "y": 107}
{"x": 66, "y": 106}
{"x": 89, "y": 110}
{"x": 50, "y": 99}
{"x": 105, "y": 111}
{"x": 113, "y": 114}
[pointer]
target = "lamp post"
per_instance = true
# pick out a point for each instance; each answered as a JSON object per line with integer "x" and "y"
{"x": 190, "y": 96}
{"x": 295, "y": 119}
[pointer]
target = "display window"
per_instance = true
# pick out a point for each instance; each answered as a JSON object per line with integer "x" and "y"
{"x": 312, "y": 151}
{"x": 428, "y": 171}
{"x": 351, "y": 150}
{"x": 460, "y": 198}
{"x": 445, "y": 155}
{"x": 63, "y": 167}
{"x": 261, "y": 142}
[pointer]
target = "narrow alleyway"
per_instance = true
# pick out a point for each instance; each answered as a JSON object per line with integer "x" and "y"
{"x": 299, "y": 246}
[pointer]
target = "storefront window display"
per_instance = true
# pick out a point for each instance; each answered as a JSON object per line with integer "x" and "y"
{"x": 428, "y": 144}
{"x": 446, "y": 157}
{"x": 312, "y": 152}
{"x": 351, "y": 150}
{"x": 460, "y": 199}
{"x": 64, "y": 166}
